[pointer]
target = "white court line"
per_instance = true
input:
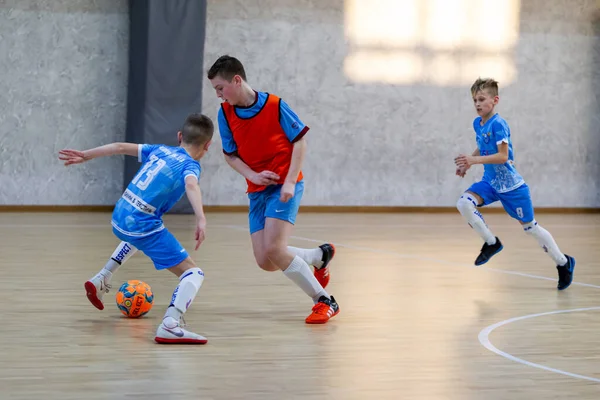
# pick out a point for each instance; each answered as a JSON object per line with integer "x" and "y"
{"x": 484, "y": 339}
{"x": 417, "y": 257}
{"x": 21, "y": 378}
{"x": 484, "y": 334}
{"x": 360, "y": 248}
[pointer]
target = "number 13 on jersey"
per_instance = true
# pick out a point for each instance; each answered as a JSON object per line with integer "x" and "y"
{"x": 150, "y": 169}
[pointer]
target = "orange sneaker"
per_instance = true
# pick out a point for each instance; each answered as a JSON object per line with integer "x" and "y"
{"x": 322, "y": 273}
{"x": 323, "y": 311}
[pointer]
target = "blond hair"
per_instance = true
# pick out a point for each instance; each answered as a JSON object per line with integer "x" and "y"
{"x": 487, "y": 84}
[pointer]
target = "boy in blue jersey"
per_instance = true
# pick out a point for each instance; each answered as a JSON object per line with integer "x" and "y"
{"x": 165, "y": 175}
{"x": 501, "y": 182}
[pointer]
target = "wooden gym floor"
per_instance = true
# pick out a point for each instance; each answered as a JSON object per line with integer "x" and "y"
{"x": 417, "y": 320}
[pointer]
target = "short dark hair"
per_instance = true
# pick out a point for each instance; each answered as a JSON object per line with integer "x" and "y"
{"x": 197, "y": 129}
{"x": 227, "y": 67}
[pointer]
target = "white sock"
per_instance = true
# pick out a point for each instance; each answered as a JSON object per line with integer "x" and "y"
{"x": 311, "y": 256}
{"x": 121, "y": 254}
{"x": 468, "y": 209}
{"x": 301, "y": 274}
{"x": 189, "y": 284}
{"x": 105, "y": 275}
{"x": 546, "y": 241}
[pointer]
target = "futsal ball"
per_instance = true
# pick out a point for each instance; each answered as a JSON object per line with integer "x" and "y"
{"x": 135, "y": 298}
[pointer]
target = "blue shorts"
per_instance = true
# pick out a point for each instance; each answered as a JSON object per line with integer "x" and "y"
{"x": 266, "y": 204}
{"x": 517, "y": 203}
{"x": 161, "y": 247}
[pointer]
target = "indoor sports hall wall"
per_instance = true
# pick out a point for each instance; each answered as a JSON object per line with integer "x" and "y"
{"x": 63, "y": 69}
{"x": 383, "y": 84}
{"x": 389, "y": 113}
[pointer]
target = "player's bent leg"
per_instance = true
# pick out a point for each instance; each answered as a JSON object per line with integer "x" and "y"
{"x": 167, "y": 253}
{"x": 565, "y": 264}
{"x": 318, "y": 257}
{"x": 171, "y": 331}
{"x": 123, "y": 252}
{"x": 467, "y": 206}
{"x": 519, "y": 206}
{"x": 99, "y": 285}
{"x": 277, "y": 232}
{"x": 184, "y": 266}
{"x": 545, "y": 240}
{"x": 260, "y": 252}
{"x": 256, "y": 223}
{"x": 475, "y": 196}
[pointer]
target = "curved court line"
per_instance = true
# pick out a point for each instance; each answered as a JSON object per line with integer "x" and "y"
{"x": 485, "y": 341}
{"x": 484, "y": 334}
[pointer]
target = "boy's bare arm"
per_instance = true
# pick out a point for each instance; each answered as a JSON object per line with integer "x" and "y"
{"x": 499, "y": 158}
{"x": 298, "y": 155}
{"x": 465, "y": 162}
{"x": 70, "y": 156}
{"x": 194, "y": 195}
{"x": 258, "y": 178}
{"x": 289, "y": 185}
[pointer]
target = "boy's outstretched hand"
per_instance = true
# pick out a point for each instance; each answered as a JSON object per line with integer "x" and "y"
{"x": 70, "y": 156}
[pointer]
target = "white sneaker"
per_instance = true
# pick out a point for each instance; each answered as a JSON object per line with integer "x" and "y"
{"x": 95, "y": 289}
{"x": 170, "y": 331}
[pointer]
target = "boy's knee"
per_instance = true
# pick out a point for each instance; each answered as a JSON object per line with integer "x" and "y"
{"x": 466, "y": 203}
{"x": 265, "y": 263}
{"x": 268, "y": 266}
{"x": 274, "y": 250}
{"x": 531, "y": 227}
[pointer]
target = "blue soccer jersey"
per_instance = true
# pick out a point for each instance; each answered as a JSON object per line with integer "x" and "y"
{"x": 502, "y": 177}
{"x": 155, "y": 189}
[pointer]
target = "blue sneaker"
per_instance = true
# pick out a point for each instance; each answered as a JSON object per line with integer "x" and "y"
{"x": 488, "y": 251}
{"x": 565, "y": 273}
